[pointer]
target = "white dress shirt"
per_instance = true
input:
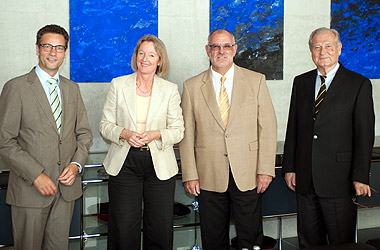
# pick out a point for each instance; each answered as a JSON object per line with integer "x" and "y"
{"x": 329, "y": 77}
{"x": 228, "y": 83}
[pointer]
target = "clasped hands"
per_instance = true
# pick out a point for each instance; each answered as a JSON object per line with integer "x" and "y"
{"x": 47, "y": 187}
{"x": 137, "y": 140}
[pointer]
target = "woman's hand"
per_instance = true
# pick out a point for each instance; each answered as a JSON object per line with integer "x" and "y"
{"x": 149, "y": 136}
{"x": 133, "y": 138}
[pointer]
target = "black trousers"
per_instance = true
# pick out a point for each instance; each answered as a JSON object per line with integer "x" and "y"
{"x": 322, "y": 221}
{"x": 214, "y": 211}
{"x": 137, "y": 182}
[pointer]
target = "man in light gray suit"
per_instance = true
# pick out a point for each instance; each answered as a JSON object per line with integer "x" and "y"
{"x": 44, "y": 139}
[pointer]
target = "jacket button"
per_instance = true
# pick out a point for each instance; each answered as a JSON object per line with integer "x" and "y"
{"x": 60, "y": 141}
{"x": 225, "y": 155}
{"x": 59, "y": 162}
{"x": 227, "y": 136}
{"x": 315, "y": 137}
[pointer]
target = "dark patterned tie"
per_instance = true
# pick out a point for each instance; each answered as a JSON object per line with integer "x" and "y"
{"x": 321, "y": 95}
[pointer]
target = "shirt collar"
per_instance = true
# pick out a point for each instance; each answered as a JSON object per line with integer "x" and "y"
{"x": 43, "y": 76}
{"x": 332, "y": 72}
{"x": 228, "y": 75}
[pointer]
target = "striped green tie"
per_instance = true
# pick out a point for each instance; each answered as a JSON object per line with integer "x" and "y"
{"x": 55, "y": 103}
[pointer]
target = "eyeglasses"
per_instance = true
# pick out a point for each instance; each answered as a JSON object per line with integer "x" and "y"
{"x": 49, "y": 47}
{"x": 225, "y": 46}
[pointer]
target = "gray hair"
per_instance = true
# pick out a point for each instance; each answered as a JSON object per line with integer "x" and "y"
{"x": 218, "y": 31}
{"x": 321, "y": 31}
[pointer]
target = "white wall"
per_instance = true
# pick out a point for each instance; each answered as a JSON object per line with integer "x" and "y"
{"x": 184, "y": 33}
{"x": 19, "y": 22}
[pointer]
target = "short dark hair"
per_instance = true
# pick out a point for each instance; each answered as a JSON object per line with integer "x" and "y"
{"x": 55, "y": 29}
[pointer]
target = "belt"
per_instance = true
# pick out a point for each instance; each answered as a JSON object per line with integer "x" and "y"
{"x": 142, "y": 148}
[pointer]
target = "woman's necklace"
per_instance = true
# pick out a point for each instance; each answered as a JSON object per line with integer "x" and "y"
{"x": 145, "y": 92}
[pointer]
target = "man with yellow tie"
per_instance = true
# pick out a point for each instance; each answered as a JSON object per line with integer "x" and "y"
{"x": 228, "y": 152}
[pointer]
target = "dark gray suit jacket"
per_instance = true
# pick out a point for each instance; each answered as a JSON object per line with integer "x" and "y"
{"x": 30, "y": 143}
{"x": 334, "y": 148}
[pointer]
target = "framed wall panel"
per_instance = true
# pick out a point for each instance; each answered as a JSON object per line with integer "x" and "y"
{"x": 358, "y": 23}
{"x": 104, "y": 35}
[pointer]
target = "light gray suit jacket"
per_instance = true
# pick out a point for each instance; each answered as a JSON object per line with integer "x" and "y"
{"x": 29, "y": 139}
{"x": 164, "y": 114}
{"x": 247, "y": 145}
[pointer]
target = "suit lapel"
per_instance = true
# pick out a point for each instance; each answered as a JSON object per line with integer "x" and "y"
{"x": 208, "y": 92}
{"x": 309, "y": 84}
{"x": 155, "y": 100}
{"x": 335, "y": 87}
{"x": 65, "y": 94}
{"x": 129, "y": 93}
{"x": 237, "y": 92}
{"x": 39, "y": 93}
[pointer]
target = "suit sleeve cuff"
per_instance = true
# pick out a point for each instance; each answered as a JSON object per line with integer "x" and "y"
{"x": 80, "y": 168}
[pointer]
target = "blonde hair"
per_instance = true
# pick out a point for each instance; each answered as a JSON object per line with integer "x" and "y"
{"x": 159, "y": 46}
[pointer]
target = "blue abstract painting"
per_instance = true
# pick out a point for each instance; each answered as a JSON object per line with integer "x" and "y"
{"x": 358, "y": 23}
{"x": 104, "y": 34}
{"x": 258, "y": 27}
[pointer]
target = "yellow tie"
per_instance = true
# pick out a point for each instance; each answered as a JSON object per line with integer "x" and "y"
{"x": 224, "y": 105}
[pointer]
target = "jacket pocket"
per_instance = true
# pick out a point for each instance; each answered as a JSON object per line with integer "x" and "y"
{"x": 253, "y": 145}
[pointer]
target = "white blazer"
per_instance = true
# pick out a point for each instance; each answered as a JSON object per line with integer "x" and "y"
{"x": 164, "y": 114}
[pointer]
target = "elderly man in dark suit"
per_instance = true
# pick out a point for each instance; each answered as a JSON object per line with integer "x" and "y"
{"x": 328, "y": 144}
{"x": 44, "y": 139}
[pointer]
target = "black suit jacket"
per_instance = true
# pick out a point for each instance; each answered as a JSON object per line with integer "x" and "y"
{"x": 334, "y": 148}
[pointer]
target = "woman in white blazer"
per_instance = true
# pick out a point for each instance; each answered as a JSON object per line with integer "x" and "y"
{"x": 142, "y": 120}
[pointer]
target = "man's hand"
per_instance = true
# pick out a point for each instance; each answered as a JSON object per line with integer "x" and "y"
{"x": 45, "y": 185}
{"x": 290, "y": 179}
{"x": 263, "y": 182}
{"x": 192, "y": 187}
{"x": 362, "y": 189}
{"x": 69, "y": 174}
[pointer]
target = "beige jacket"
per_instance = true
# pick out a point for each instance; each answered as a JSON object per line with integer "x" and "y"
{"x": 247, "y": 145}
{"x": 164, "y": 114}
